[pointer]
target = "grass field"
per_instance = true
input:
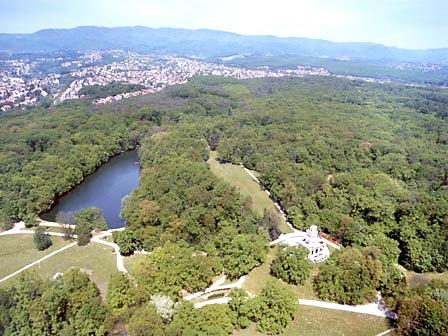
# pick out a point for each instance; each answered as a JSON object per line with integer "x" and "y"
{"x": 312, "y": 321}
{"x": 19, "y": 250}
{"x": 237, "y": 177}
{"x": 131, "y": 263}
{"x": 96, "y": 259}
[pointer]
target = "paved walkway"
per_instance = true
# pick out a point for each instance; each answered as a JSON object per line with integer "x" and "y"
{"x": 15, "y": 229}
{"x": 222, "y": 300}
{"x": 216, "y": 286}
{"x": 374, "y": 309}
{"x": 119, "y": 257}
{"x": 54, "y": 224}
{"x": 368, "y": 309}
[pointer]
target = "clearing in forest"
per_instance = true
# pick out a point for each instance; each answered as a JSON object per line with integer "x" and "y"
{"x": 237, "y": 177}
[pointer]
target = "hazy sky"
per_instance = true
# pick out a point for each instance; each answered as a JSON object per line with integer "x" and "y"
{"x": 402, "y": 23}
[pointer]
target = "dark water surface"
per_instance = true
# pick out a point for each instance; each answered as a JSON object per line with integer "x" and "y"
{"x": 104, "y": 189}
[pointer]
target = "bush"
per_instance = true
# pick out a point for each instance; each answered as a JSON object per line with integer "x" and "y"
{"x": 127, "y": 240}
{"x": 93, "y": 217}
{"x": 146, "y": 322}
{"x": 240, "y": 306}
{"x": 120, "y": 294}
{"x": 5, "y": 222}
{"x": 424, "y": 311}
{"x": 30, "y": 220}
{"x": 209, "y": 320}
{"x": 42, "y": 239}
{"x": 84, "y": 233}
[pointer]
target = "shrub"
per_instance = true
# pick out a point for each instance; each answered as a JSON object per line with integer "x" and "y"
{"x": 42, "y": 239}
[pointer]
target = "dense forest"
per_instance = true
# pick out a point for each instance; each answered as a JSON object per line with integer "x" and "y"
{"x": 359, "y": 160}
{"x": 365, "y": 162}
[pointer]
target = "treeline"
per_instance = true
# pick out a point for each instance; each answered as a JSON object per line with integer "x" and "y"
{"x": 354, "y": 159}
{"x": 112, "y": 89}
{"x": 71, "y": 305}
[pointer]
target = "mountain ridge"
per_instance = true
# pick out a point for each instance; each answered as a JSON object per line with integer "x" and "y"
{"x": 206, "y": 43}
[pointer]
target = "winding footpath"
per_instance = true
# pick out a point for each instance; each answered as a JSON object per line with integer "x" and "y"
{"x": 119, "y": 257}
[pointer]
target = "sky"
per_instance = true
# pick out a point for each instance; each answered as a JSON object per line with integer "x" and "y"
{"x": 416, "y": 24}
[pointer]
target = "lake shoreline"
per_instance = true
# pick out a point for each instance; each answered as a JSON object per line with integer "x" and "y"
{"x": 49, "y": 214}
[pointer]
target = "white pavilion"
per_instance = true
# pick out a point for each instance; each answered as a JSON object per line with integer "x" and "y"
{"x": 316, "y": 246}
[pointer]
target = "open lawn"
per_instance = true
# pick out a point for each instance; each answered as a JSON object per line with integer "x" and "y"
{"x": 131, "y": 263}
{"x": 313, "y": 321}
{"x": 96, "y": 259}
{"x": 18, "y": 250}
{"x": 237, "y": 177}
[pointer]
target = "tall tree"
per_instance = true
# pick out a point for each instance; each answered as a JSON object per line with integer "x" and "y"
{"x": 291, "y": 265}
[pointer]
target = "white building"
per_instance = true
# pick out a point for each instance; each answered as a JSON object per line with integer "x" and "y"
{"x": 316, "y": 246}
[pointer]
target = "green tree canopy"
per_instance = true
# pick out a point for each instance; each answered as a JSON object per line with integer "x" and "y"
{"x": 351, "y": 276}
{"x": 273, "y": 309}
{"x": 291, "y": 265}
{"x": 41, "y": 239}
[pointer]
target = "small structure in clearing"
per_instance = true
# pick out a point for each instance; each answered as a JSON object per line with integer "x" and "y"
{"x": 316, "y": 246}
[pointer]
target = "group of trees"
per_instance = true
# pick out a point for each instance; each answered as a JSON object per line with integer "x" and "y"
{"x": 86, "y": 221}
{"x": 69, "y": 305}
{"x": 41, "y": 239}
{"x": 271, "y": 310}
{"x": 424, "y": 310}
{"x": 179, "y": 200}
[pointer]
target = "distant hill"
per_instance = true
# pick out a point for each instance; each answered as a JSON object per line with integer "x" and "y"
{"x": 206, "y": 43}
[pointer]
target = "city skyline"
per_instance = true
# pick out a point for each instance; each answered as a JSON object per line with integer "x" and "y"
{"x": 410, "y": 24}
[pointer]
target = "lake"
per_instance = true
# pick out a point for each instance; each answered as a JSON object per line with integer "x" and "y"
{"x": 103, "y": 189}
